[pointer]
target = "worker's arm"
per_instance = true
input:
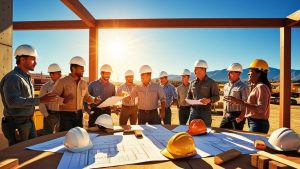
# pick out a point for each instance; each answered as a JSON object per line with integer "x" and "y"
{"x": 244, "y": 97}
{"x": 175, "y": 97}
{"x": 42, "y": 106}
{"x": 58, "y": 89}
{"x": 13, "y": 96}
{"x": 215, "y": 92}
{"x": 162, "y": 98}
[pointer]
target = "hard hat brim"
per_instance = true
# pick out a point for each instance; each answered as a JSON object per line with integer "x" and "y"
{"x": 81, "y": 149}
{"x": 166, "y": 153}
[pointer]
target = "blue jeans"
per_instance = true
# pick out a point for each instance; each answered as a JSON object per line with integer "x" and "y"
{"x": 168, "y": 115}
{"x": 204, "y": 114}
{"x": 25, "y": 127}
{"x": 68, "y": 120}
{"x": 258, "y": 125}
{"x": 184, "y": 114}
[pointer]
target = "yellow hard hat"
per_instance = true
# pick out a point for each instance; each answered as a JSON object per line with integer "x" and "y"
{"x": 259, "y": 64}
{"x": 180, "y": 145}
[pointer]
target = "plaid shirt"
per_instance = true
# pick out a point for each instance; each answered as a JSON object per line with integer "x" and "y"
{"x": 238, "y": 90}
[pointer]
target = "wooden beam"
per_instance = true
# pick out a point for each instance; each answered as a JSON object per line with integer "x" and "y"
{"x": 192, "y": 23}
{"x": 80, "y": 11}
{"x": 49, "y": 25}
{"x": 285, "y": 76}
{"x": 293, "y": 19}
{"x": 93, "y": 54}
{"x": 153, "y": 23}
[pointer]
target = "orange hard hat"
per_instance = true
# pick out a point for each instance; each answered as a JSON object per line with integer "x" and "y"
{"x": 197, "y": 127}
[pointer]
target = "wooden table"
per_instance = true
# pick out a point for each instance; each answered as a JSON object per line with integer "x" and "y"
{"x": 43, "y": 160}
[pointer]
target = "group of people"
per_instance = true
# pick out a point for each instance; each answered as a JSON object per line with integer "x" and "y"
{"x": 63, "y": 100}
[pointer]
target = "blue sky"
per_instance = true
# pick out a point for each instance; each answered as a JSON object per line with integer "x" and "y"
{"x": 164, "y": 49}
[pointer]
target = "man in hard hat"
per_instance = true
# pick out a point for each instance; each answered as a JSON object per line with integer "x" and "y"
{"x": 73, "y": 90}
{"x": 18, "y": 99}
{"x": 184, "y": 108}
{"x": 171, "y": 95}
{"x": 233, "y": 114}
{"x": 50, "y": 110}
{"x": 148, "y": 94}
{"x": 103, "y": 89}
{"x": 205, "y": 90}
{"x": 128, "y": 110}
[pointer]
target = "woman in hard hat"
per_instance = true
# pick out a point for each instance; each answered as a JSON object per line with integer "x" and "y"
{"x": 258, "y": 102}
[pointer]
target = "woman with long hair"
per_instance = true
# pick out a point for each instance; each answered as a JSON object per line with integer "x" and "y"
{"x": 258, "y": 102}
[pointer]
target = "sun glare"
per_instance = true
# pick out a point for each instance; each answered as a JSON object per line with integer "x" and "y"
{"x": 117, "y": 49}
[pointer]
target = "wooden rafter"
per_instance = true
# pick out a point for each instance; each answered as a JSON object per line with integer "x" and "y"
{"x": 80, "y": 11}
{"x": 293, "y": 19}
{"x": 154, "y": 23}
{"x": 49, "y": 25}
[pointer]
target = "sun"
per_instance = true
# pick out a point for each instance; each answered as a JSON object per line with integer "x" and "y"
{"x": 117, "y": 49}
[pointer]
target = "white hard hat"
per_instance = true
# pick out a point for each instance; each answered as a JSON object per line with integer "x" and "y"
{"x": 26, "y": 50}
{"x": 129, "y": 73}
{"x": 77, "y": 60}
{"x": 54, "y": 68}
{"x": 163, "y": 74}
{"x": 105, "y": 120}
{"x": 235, "y": 67}
{"x": 145, "y": 69}
{"x": 106, "y": 68}
{"x": 77, "y": 140}
{"x": 186, "y": 72}
{"x": 285, "y": 139}
{"x": 201, "y": 63}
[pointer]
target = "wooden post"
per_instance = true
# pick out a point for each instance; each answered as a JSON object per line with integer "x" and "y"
{"x": 6, "y": 30}
{"x": 93, "y": 54}
{"x": 285, "y": 76}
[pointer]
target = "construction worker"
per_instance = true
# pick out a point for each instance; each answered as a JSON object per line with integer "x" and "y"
{"x": 73, "y": 90}
{"x": 258, "y": 101}
{"x": 233, "y": 114}
{"x": 103, "y": 89}
{"x": 205, "y": 90}
{"x": 128, "y": 110}
{"x": 171, "y": 95}
{"x": 50, "y": 110}
{"x": 18, "y": 99}
{"x": 184, "y": 108}
{"x": 148, "y": 94}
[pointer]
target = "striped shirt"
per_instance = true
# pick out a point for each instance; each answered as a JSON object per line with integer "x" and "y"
{"x": 148, "y": 96}
{"x": 182, "y": 93}
{"x": 170, "y": 93}
{"x": 126, "y": 88}
{"x": 238, "y": 90}
{"x": 47, "y": 88}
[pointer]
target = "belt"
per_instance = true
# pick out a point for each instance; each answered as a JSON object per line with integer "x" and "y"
{"x": 18, "y": 117}
{"x": 185, "y": 106}
{"x": 147, "y": 111}
{"x": 52, "y": 112}
{"x": 253, "y": 119}
{"x": 234, "y": 112}
{"x": 128, "y": 106}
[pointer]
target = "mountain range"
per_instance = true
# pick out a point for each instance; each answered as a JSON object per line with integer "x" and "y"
{"x": 221, "y": 75}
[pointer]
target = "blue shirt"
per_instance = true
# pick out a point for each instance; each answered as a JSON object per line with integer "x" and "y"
{"x": 170, "y": 92}
{"x": 104, "y": 90}
{"x": 17, "y": 94}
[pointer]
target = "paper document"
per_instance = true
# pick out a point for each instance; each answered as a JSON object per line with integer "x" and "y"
{"x": 113, "y": 150}
{"x": 194, "y": 102}
{"x": 111, "y": 101}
